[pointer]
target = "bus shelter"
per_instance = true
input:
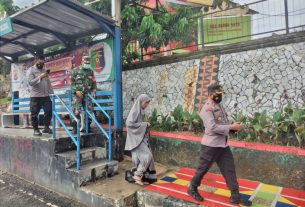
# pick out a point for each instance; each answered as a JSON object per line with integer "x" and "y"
{"x": 76, "y": 31}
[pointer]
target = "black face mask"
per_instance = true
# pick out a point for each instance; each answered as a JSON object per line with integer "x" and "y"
{"x": 217, "y": 98}
{"x": 39, "y": 66}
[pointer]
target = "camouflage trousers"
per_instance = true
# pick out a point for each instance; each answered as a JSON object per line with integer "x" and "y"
{"x": 78, "y": 104}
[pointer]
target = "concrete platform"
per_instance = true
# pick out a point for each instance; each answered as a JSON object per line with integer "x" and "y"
{"x": 119, "y": 190}
{"x": 28, "y": 133}
{"x": 50, "y": 163}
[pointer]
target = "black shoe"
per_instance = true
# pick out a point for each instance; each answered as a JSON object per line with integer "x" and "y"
{"x": 237, "y": 199}
{"x": 74, "y": 129}
{"x": 193, "y": 192}
{"x": 47, "y": 130}
{"x": 37, "y": 132}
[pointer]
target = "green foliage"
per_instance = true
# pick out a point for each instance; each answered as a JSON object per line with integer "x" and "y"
{"x": 259, "y": 125}
{"x": 178, "y": 115}
{"x": 3, "y": 101}
{"x": 286, "y": 127}
{"x": 191, "y": 119}
{"x": 7, "y": 5}
{"x": 166, "y": 123}
{"x": 153, "y": 119}
{"x": 178, "y": 119}
{"x": 54, "y": 48}
{"x": 154, "y": 29}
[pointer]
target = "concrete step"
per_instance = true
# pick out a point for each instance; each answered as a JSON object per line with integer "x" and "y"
{"x": 68, "y": 159}
{"x": 90, "y": 140}
{"x": 93, "y": 170}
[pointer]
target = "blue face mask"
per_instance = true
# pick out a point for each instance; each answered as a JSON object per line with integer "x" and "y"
{"x": 87, "y": 66}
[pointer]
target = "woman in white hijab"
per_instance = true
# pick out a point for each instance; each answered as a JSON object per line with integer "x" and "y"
{"x": 138, "y": 141}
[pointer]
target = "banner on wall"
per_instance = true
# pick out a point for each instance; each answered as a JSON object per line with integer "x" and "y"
{"x": 61, "y": 65}
{"x": 102, "y": 58}
{"x": 227, "y": 29}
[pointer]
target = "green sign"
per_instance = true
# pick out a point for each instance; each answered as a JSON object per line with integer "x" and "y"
{"x": 227, "y": 29}
{"x": 5, "y": 26}
{"x": 102, "y": 60}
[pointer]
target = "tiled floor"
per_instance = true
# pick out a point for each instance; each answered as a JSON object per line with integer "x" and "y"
{"x": 216, "y": 193}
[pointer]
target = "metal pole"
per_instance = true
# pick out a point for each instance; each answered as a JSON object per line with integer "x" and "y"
{"x": 116, "y": 11}
{"x": 78, "y": 146}
{"x": 86, "y": 114}
{"x": 202, "y": 32}
{"x": 117, "y": 88}
{"x": 53, "y": 117}
{"x": 286, "y": 16}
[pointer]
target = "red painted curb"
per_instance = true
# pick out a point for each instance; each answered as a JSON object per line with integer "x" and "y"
{"x": 240, "y": 144}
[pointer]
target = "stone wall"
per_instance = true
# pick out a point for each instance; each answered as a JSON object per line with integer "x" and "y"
{"x": 254, "y": 80}
{"x": 169, "y": 85}
{"x": 264, "y": 79}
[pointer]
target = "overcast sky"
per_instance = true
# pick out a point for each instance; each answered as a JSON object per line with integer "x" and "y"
{"x": 24, "y": 3}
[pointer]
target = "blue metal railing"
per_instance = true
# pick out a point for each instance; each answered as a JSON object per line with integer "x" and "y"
{"x": 89, "y": 113}
{"x": 55, "y": 117}
{"x": 22, "y": 105}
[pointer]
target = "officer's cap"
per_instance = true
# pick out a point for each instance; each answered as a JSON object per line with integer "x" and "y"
{"x": 86, "y": 59}
{"x": 215, "y": 88}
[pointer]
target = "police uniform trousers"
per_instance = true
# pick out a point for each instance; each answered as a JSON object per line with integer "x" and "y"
{"x": 225, "y": 161}
{"x": 36, "y": 104}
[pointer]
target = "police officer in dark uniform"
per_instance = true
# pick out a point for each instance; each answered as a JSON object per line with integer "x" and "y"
{"x": 214, "y": 147}
{"x": 41, "y": 88}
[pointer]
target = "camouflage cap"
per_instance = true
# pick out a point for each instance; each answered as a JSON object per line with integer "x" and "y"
{"x": 215, "y": 88}
{"x": 86, "y": 59}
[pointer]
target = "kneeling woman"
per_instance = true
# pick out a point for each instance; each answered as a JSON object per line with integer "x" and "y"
{"x": 138, "y": 142}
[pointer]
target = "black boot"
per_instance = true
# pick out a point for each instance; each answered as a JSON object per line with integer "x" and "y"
{"x": 47, "y": 130}
{"x": 37, "y": 132}
{"x": 237, "y": 199}
{"x": 74, "y": 125}
{"x": 193, "y": 192}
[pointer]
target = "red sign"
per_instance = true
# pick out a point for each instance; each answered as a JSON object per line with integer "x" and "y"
{"x": 59, "y": 64}
{"x": 60, "y": 79}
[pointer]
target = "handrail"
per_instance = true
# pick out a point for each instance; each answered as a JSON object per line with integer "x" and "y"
{"x": 56, "y": 116}
{"x": 108, "y": 136}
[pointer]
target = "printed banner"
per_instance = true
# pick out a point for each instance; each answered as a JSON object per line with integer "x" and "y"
{"x": 61, "y": 65}
{"x": 102, "y": 58}
{"x": 227, "y": 29}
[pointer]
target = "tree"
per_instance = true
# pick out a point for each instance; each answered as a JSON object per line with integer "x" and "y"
{"x": 7, "y": 5}
{"x": 5, "y": 67}
{"x": 152, "y": 28}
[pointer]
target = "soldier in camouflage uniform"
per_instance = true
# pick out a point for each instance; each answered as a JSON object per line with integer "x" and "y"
{"x": 82, "y": 82}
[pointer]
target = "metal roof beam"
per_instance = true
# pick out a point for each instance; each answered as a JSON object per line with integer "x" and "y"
{"x": 29, "y": 48}
{"x": 23, "y": 35}
{"x": 5, "y": 58}
{"x": 18, "y": 37}
{"x": 62, "y": 38}
{"x": 5, "y": 54}
{"x": 84, "y": 11}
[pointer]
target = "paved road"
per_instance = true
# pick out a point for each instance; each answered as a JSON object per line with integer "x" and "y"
{"x": 16, "y": 192}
